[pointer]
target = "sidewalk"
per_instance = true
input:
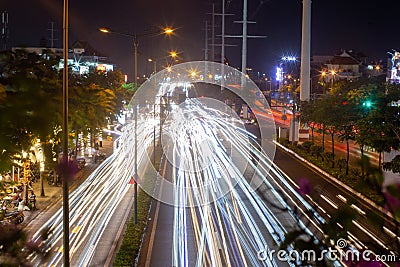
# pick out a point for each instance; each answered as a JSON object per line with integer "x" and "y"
{"x": 53, "y": 194}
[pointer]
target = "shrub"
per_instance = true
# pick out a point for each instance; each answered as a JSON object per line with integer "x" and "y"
{"x": 317, "y": 151}
{"x": 341, "y": 163}
{"x": 283, "y": 141}
{"x": 307, "y": 146}
{"x": 328, "y": 156}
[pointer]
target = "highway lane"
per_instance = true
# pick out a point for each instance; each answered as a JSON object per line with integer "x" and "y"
{"x": 221, "y": 239}
{"x": 213, "y": 199}
{"x": 366, "y": 231}
{"x": 94, "y": 202}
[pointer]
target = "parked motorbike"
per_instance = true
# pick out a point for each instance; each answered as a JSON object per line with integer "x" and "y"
{"x": 54, "y": 179}
{"x": 15, "y": 217}
{"x": 99, "y": 157}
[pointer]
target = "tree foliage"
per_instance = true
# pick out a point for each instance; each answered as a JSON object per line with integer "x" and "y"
{"x": 31, "y": 102}
{"x": 364, "y": 110}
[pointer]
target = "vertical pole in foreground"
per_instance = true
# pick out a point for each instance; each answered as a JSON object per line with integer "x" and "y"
{"x": 65, "y": 139}
{"x": 136, "y": 43}
{"x": 305, "y": 52}
{"x": 136, "y": 170}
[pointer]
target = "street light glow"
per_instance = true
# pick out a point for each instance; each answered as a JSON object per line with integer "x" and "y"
{"x": 168, "y": 31}
{"x": 288, "y": 58}
{"x": 105, "y": 30}
{"x": 173, "y": 54}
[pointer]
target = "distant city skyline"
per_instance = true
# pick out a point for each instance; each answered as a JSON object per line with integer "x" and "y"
{"x": 366, "y": 27}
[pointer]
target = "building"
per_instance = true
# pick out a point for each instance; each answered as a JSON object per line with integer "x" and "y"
{"x": 344, "y": 66}
{"x": 393, "y": 74}
{"x": 82, "y": 57}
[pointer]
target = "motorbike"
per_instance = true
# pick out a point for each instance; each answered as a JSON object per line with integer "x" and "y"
{"x": 54, "y": 179}
{"x": 99, "y": 157}
{"x": 14, "y": 217}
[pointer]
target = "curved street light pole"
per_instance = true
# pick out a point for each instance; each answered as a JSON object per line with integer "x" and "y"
{"x": 135, "y": 36}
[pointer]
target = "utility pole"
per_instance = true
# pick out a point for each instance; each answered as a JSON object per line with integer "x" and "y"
{"x": 206, "y": 43}
{"x": 206, "y": 49}
{"x": 52, "y": 39}
{"x": 223, "y": 47}
{"x": 244, "y": 37}
{"x": 213, "y": 34}
{"x": 305, "y": 52}
{"x": 305, "y": 61}
{"x": 223, "y": 14}
{"x": 4, "y": 30}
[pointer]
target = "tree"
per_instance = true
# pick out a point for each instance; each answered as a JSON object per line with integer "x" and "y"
{"x": 28, "y": 106}
{"x": 334, "y": 106}
{"x": 30, "y": 102}
{"x": 307, "y": 115}
{"x": 393, "y": 165}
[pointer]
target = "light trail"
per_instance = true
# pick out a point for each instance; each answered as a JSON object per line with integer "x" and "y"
{"x": 228, "y": 229}
{"x": 95, "y": 200}
{"x": 217, "y": 171}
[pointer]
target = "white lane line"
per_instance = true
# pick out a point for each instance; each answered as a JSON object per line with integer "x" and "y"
{"x": 329, "y": 201}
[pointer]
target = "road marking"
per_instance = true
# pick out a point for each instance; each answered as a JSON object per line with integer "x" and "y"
{"x": 153, "y": 229}
{"x": 357, "y": 209}
{"x": 329, "y": 201}
{"x": 342, "y": 198}
{"x": 362, "y": 228}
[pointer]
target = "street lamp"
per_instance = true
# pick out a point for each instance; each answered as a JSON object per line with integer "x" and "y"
{"x": 135, "y": 36}
{"x": 65, "y": 138}
{"x": 333, "y": 73}
{"x": 154, "y": 64}
{"x": 173, "y": 54}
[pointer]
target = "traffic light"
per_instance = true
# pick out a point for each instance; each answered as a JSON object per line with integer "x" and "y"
{"x": 367, "y": 104}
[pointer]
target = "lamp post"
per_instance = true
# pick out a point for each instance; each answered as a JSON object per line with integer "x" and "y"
{"x": 65, "y": 139}
{"x": 135, "y": 36}
{"x": 154, "y": 64}
{"x": 333, "y": 73}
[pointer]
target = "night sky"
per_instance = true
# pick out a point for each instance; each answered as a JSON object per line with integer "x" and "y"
{"x": 370, "y": 27}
